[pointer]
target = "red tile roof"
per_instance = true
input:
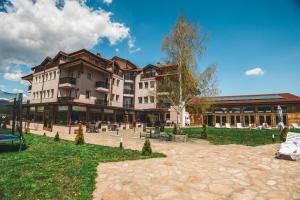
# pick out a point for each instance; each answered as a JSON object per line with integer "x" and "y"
{"x": 278, "y": 98}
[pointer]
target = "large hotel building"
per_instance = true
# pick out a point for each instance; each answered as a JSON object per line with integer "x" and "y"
{"x": 85, "y": 87}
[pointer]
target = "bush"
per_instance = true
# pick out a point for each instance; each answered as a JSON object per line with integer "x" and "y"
{"x": 56, "y": 137}
{"x": 79, "y": 139}
{"x": 204, "y": 132}
{"x": 44, "y": 134}
{"x": 147, "y": 151}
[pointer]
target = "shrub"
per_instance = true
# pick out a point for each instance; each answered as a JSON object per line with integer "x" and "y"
{"x": 204, "y": 132}
{"x": 56, "y": 137}
{"x": 44, "y": 133}
{"x": 146, "y": 151}
{"x": 79, "y": 139}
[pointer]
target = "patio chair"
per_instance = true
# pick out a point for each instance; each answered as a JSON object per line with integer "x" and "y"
{"x": 227, "y": 125}
{"x": 217, "y": 125}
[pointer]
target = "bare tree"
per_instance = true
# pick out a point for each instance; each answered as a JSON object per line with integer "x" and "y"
{"x": 181, "y": 47}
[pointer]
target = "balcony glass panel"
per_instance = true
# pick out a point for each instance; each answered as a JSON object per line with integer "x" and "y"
{"x": 102, "y": 84}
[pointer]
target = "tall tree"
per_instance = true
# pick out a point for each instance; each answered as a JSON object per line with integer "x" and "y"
{"x": 181, "y": 47}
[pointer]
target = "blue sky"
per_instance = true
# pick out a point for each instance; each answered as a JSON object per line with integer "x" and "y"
{"x": 243, "y": 35}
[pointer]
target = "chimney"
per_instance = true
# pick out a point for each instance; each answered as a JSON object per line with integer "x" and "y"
{"x": 98, "y": 55}
{"x": 158, "y": 63}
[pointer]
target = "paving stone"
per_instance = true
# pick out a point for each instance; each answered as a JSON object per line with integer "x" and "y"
{"x": 296, "y": 196}
{"x": 112, "y": 194}
{"x": 220, "y": 189}
{"x": 271, "y": 182}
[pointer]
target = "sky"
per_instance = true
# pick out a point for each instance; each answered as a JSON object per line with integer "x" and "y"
{"x": 255, "y": 44}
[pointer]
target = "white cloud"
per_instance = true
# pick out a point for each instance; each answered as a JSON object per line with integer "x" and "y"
{"x": 257, "y": 71}
{"x": 117, "y": 50}
{"x": 134, "y": 50}
{"x": 131, "y": 42}
{"x": 107, "y": 1}
{"x": 31, "y": 31}
{"x": 13, "y": 76}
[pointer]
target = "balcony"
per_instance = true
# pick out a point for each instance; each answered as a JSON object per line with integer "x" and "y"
{"x": 128, "y": 106}
{"x": 101, "y": 102}
{"x": 128, "y": 91}
{"x": 67, "y": 82}
{"x": 64, "y": 99}
{"x": 129, "y": 78}
{"x": 148, "y": 75}
{"x": 102, "y": 86}
{"x": 29, "y": 88}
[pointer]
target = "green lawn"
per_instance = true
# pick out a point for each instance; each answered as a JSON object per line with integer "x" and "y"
{"x": 220, "y": 136}
{"x": 55, "y": 170}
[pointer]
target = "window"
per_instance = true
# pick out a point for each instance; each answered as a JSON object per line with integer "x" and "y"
{"x": 152, "y": 83}
{"x": 89, "y": 76}
{"x": 39, "y": 78}
{"x": 50, "y": 75}
{"x": 43, "y": 78}
{"x": 140, "y": 85}
{"x": 87, "y": 94}
{"x": 146, "y": 84}
{"x": 52, "y": 93}
{"x": 152, "y": 99}
{"x": 44, "y": 93}
{"x": 36, "y": 79}
{"x": 48, "y": 93}
{"x": 34, "y": 95}
{"x": 118, "y": 82}
{"x": 46, "y": 79}
{"x": 117, "y": 98}
{"x": 112, "y": 97}
{"x": 140, "y": 100}
{"x": 145, "y": 99}
{"x": 54, "y": 74}
{"x": 113, "y": 81}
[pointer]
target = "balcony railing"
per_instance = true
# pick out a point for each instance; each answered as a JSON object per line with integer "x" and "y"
{"x": 102, "y": 102}
{"x": 69, "y": 80}
{"x": 29, "y": 87}
{"x": 129, "y": 77}
{"x": 148, "y": 75}
{"x": 102, "y": 84}
{"x": 128, "y": 91}
{"x": 128, "y": 105}
{"x": 65, "y": 98}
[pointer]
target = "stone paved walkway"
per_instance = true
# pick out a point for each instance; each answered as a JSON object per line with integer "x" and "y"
{"x": 196, "y": 170}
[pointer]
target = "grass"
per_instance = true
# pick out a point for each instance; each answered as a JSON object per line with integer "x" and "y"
{"x": 55, "y": 170}
{"x": 221, "y": 136}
